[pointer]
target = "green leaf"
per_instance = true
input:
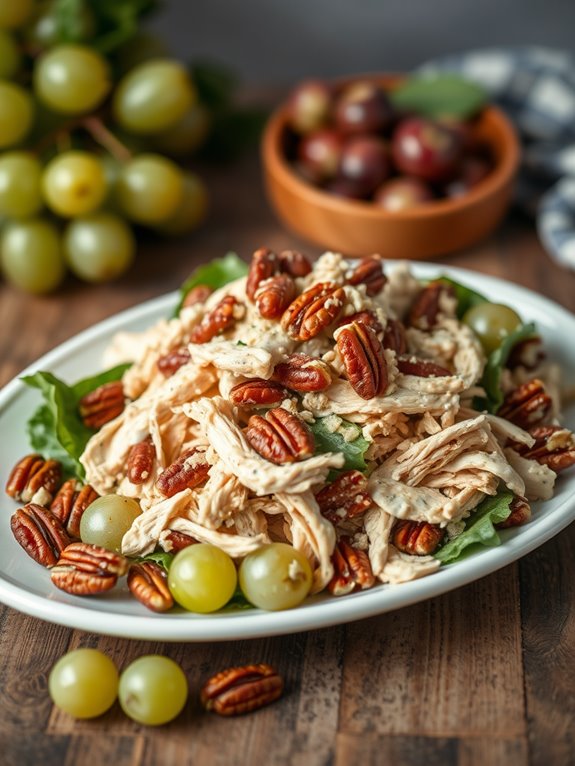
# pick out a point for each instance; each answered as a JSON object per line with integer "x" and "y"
{"x": 466, "y": 297}
{"x": 215, "y": 274}
{"x": 118, "y": 21}
{"x": 479, "y": 528}
{"x": 439, "y": 95}
{"x": 216, "y": 84}
{"x": 163, "y": 558}
{"x": 41, "y": 429}
{"x": 238, "y": 601}
{"x": 328, "y": 441}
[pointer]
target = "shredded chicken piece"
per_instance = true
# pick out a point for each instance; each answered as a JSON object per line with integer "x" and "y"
{"x": 538, "y": 478}
{"x": 401, "y": 567}
{"x": 144, "y": 533}
{"x": 228, "y": 355}
{"x": 236, "y": 546}
{"x": 378, "y": 524}
{"x": 220, "y": 498}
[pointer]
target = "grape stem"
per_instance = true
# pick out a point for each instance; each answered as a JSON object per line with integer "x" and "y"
{"x": 106, "y": 138}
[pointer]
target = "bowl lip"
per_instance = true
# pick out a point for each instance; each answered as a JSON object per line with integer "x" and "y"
{"x": 276, "y": 164}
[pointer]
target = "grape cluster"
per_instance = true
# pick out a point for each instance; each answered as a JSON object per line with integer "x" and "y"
{"x": 83, "y": 139}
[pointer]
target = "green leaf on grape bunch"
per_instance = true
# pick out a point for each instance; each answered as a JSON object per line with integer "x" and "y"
{"x": 439, "y": 95}
{"x": 214, "y": 274}
{"x": 347, "y": 440}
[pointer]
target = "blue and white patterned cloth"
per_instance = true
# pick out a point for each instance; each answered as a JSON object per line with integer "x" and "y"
{"x": 536, "y": 88}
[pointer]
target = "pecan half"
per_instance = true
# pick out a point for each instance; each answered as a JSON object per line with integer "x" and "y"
{"x": 526, "y": 406}
{"x": 345, "y": 497}
{"x": 264, "y": 264}
{"x": 40, "y": 533}
{"x": 274, "y": 296}
{"x": 520, "y": 513}
{"x": 86, "y": 570}
{"x": 198, "y": 294}
{"x": 363, "y": 357}
{"x": 369, "y": 272}
{"x": 418, "y": 538}
{"x": 257, "y": 392}
{"x": 140, "y": 461}
{"x": 352, "y": 570}
{"x": 280, "y": 436}
{"x": 303, "y": 373}
{"x": 148, "y": 582}
{"x": 554, "y": 446}
{"x": 528, "y": 353}
{"x": 294, "y": 263}
{"x": 365, "y": 317}
{"x": 313, "y": 310}
{"x": 30, "y": 475}
{"x": 421, "y": 368}
{"x": 168, "y": 364}
{"x": 103, "y": 404}
{"x": 240, "y": 690}
{"x": 220, "y": 318}
{"x": 426, "y": 307}
{"x": 177, "y": 541}
{"x": 188, "y": 471}
{"x": 70, "y": 503}
{"x": 394, "y": 337}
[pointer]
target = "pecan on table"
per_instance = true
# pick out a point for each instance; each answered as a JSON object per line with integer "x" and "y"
{"x": 86, "y": 570}
{"x": 188, "y": 471}
{"x": 418, "y": 538}
{"x": 168, "y": 364}
{"x": 303, "y": 373}
{"x": 241, "y": 690}
{"x": 140, "y": 461}
{"x": 274, "y": 295}
{"x": 258, "y": 392}
{"x": 280, "y": 437}
{"x": 264, "y": 264}
{"x": 520, "y": 513}
{"x": 369, "y": 272}
{"x": 345, "y": 497}
{"x": 526, "y": 406}
{"x": 70, "y": 503}
{"x": 198, "y": 294}
{"x": 294, "y": 263}
{"x": 394, "y": 337}
{"x": 421, "y": 368}
{"x": 554, "y": 446}
{"x": 30, "y": 475}
{"x": 351, "y": 569}
{"x": 313, "y": 310}
{"x": 220, "y": 318}
{"x": 148, "y": 582}
{"x": 40, "y": 533}
{"x": 103, "y": 404}
{"x": 363, "y": 357}
{"x": 426, "y": 307}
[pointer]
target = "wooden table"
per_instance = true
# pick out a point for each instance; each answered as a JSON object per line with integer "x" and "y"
{"x": 484, "y": 675}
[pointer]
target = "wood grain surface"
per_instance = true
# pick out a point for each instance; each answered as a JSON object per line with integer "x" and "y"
{"x": 484, "y": 675}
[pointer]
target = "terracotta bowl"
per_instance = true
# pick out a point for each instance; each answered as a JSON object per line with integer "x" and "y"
{"x": 360, "y": 228}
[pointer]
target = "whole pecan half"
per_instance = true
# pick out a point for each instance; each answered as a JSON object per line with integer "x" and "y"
{"x": 352, "y": 570}
{"x": 178, "y": 540}
{"x": 520, "y": 513}
{"x": 258, "y": 392}
{"x": 526, "y": 406}
{"x": 220, "y": 318}
{"x": 369, "y": 272}
{"x": 198, "y": 294}
{"x": 426, "y": 307}
{"x": 363, "y": 357}
{"x": 264, "y": 264}
{"x": 168, "y": 364}
{"x": 70, "y": 503}
{"x": 148, "y": 582}
{"x": 86, "y": 570}
{"x": 418, "y": 538}
{"x": 240, "y": 690}
{"x": 40, "y": 533}
{"x": 31, "y": 474}
{"x": 365, "y": 317}
{"x": 421, "y": 368}
{"x": 554, "y": 446}
{"x": 188, "y": 471}
{"x": 274, "y": 296}
{"x": 103, "y": 404}
{"x": 280, "y": 436}
{"x": 394, "y": 337}
{"x": 345, "y": 497}
{"x": 140, "y": 461}
{"x": 303, "y": 373}
{"x": 313, "y": 310}
{"x": 294, "y": 263}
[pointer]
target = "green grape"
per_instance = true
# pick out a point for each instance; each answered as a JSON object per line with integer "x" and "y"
{"x": 187, "y": 135}
{"x": 20, "y": 184}
{"x": 107, "y": 519}
{"x": 153, "y": 97}
{"x": 99, "y": 247}
{"x": 45, "y": 28}
{"x": 276, "y": 576}
{"x": 74, "y": 183}
{"x": 15, "y": 13}
{"x": 202, "y": 578}
{"x": 72, "y": 79}
{"x": 150, "y": 189}
{"x": 16, "y": 113}
{"x": 192, "y": 209}
{"x": 10, "y": 56}
{"x": 84, "y": 683}
{"x": 142, "y": 47}
{"x": 153, "y": 690}
{"x": 32, "y": 257}
{"x": 492, "y": 323}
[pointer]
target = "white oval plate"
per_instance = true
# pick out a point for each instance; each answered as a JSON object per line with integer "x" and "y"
{"x": 26, "y": 586}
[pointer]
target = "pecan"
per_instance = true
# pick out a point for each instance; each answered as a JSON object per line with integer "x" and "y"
{"x": 365, "y": 317}
{"x": 103, "y": 404}
{"x": 85, "y": 570}
{"x": 528, "y": 353}
{"x": 352, "y": 570}
{"x": 418, "y": 538}
{"x": 526, "y": 406}
{"x": 303, "y": 373}
{"x": 294, "y": 263}
{"x": 554, "y": 446}
{"x": 421, "y": 368}
{"x": 313, "y": 310}
{"x": 240, "y": 690}
{"x": 31, "y": 474}
{"x": 345, "y": 497}
{"x": 40, "y": 533}
{"x": 369, "y": 272}
{"x": 264, "y": 265}
{"x": 520, "y": 513}
{"x": 168, "y": 364}
{"x": 190, "y": 470}
{"x": 258, "y": 392}
{"x": 148, "y": 582}
{"x": 222, "y": 316}
{"x": 177, "y": 541}
{"x": 363, "y": 358}
{"x": 70, "y": 503}
{"x": 274, "y": 296}
{"x": 280, "y": 436}
{"x": 198, "y": 294}
{"x": 426, "y": 307}
{"x": 394, "y": 337}
{"x": 140, "y": 461}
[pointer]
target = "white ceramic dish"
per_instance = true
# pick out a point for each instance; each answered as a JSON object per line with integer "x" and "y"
{"x": 26, "y": 586}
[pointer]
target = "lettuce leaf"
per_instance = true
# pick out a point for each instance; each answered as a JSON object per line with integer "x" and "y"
{"x": 163, "y": 558}
{"x": 238, "y": 601}
{"x": 56, "y": 429}
{"x": 466, "y": 297}
{"x": 215, "y": 274}
{"x": 353, "y": 450}
{"x": 479, "y": 528}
